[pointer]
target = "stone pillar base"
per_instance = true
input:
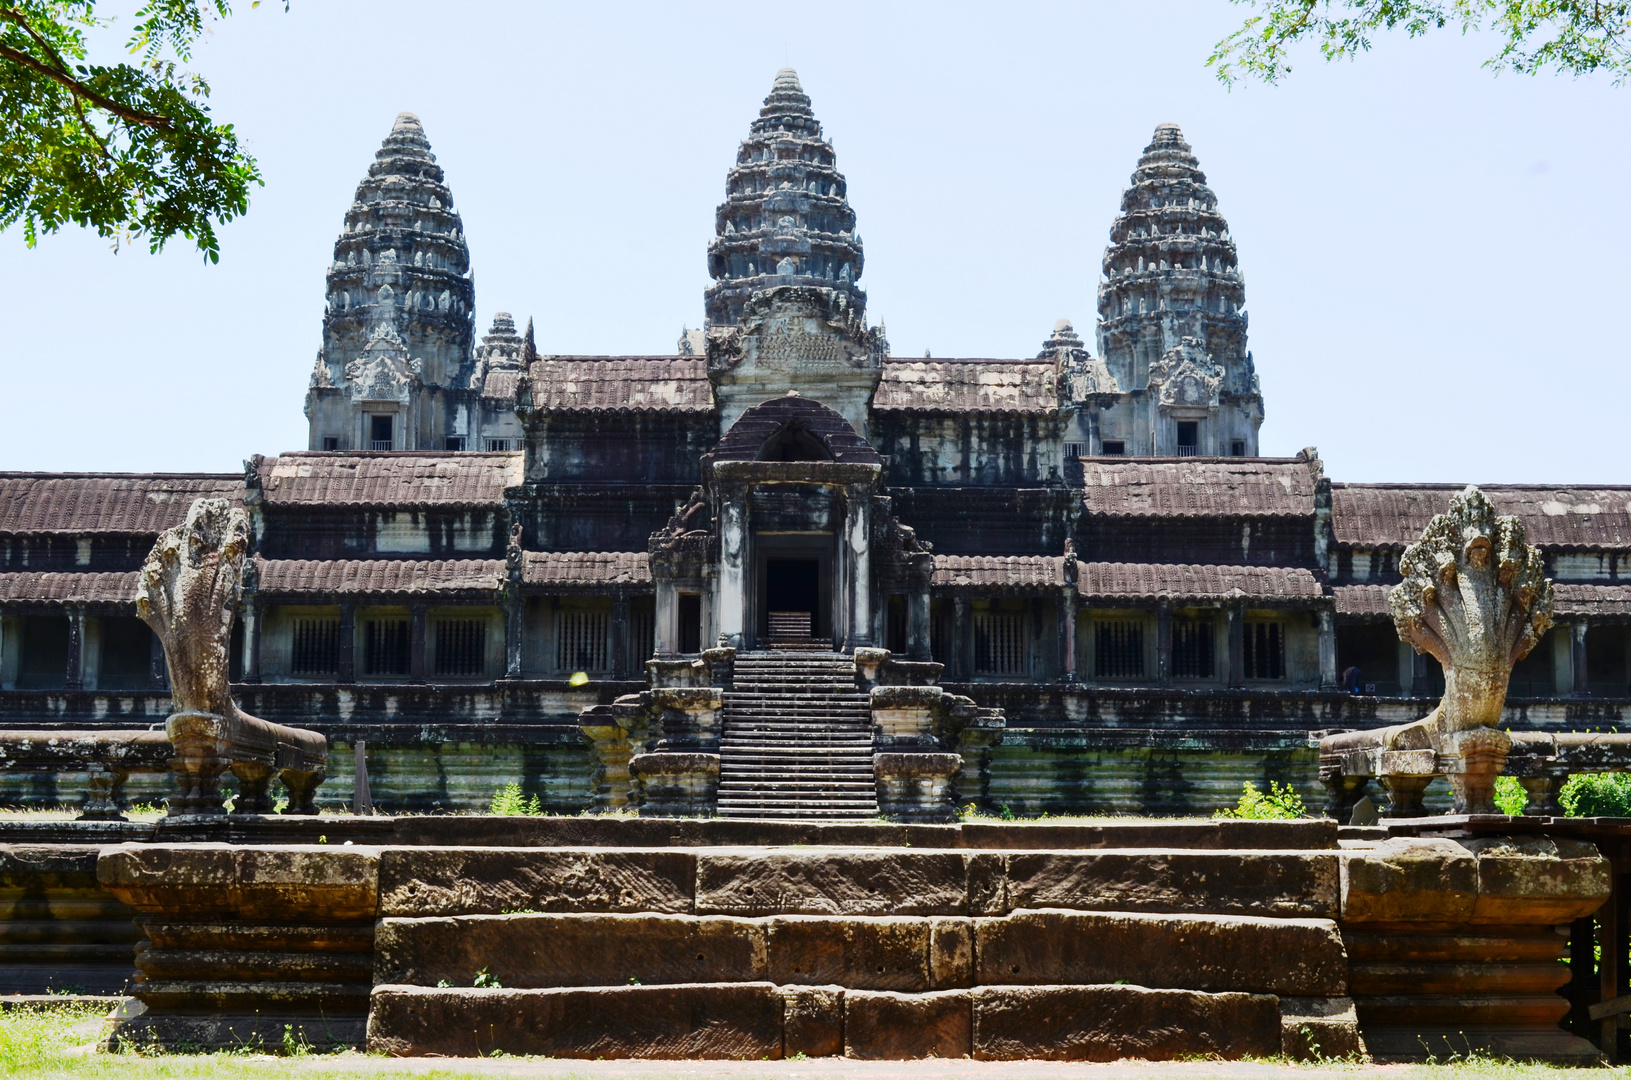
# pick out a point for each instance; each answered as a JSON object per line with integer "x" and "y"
{"x": 676, "y": 785}
{"x": 916, "y": 787}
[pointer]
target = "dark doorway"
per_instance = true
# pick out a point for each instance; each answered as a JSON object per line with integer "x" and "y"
{"x": 126, "y": 654}
{"x": 792, "y": 586}
{"x": 690, "y": 623}
{"x": 794, "y": 442}
{"x": 1373, "y": 648}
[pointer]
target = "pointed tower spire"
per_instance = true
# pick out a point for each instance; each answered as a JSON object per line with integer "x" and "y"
{"x": 1170, "y": 318}
{"x": 400, "y": 317}
{"x": 786, "y": 218}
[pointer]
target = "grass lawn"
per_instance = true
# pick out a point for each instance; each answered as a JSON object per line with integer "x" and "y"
{"x": 62, "y": 1041}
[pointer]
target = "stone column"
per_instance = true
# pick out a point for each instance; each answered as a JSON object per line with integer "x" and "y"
{"x": 1163, "y": 645}
{"x": 348, "y": 646}
{"x": 962, "y": 641}
{"x": 1582, "y": 684}
{"x": 858, "y": 538}
{"x": 666, "y": 619}
{"x": 515, "y": 631}
{"x": 1067, "y": 633}
{"x": 1237, "y": 646}
{"x": 416, "y": 643}
{"x": 1328, "y": 649}
{"x": 252, "y": 639}
{"x": 620, "y": 636}
{"x": 74, "y": 677}
{"x": 733, "y": 544}
{"x": 918, "y": 645}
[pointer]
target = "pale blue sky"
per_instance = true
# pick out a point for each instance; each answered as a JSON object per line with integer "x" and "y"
{"x": 1436, "y": 258}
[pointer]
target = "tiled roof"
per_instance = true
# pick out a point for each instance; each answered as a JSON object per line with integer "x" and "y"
{"x": 1156, "y": 581}
{"x": 100, "y": 587}
{"x": 1363, "y": 599}
{"x": 1394, "y": 515}
{"x": 566, "y": 568}
{"x": 499, "y": 385}
{"x": 379, "y": 576}
{"x": 82, "y": 503}
{"x": 622, "y": 383}
{"x": 998, "y": 571}
{"x": 389, "y": 479}
{"x": 1585, "y": 601}
{"x": 964, "y": 386}
{"x": 1197, "y": 487}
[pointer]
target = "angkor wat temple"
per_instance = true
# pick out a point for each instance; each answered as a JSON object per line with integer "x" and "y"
{"x": 485, "y": 546}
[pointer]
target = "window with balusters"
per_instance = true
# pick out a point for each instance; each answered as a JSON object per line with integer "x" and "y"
{"x": 1194, "y": 646}
{"x": 315, "y": 649}
{"x": 580, "y": 640}
{"x": 461, "y": 648}
{"x": 1118, "y": 649}
{"x": 1265, "y": 650}
{"x": 999, "y": 643}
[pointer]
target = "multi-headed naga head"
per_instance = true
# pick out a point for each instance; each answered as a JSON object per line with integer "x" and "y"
{"x": 1474, "y": 598}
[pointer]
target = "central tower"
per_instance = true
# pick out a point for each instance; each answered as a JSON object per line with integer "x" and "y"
{"x": 786, "y": 218}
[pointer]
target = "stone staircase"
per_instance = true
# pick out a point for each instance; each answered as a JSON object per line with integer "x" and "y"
{"x": 797, "y": 738}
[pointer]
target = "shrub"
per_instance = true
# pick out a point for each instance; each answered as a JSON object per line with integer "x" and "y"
{"x": 1510, "y": 797}
{"x": 1596, "y": 795}
{"x": 509, "y": 802}
{"x": 1279, "y": 803}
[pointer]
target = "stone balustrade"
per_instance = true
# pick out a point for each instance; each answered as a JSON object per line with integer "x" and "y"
{"x": 106, "y": 758}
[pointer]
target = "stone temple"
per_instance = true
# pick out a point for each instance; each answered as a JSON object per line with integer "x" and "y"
{"x": 495, "y": 563}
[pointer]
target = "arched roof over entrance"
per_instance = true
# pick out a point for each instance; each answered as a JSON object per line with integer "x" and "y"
{"x": 794, "y": 429}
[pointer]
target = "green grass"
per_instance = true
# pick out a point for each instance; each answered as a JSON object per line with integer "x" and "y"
{"x": 62, "y": 1042}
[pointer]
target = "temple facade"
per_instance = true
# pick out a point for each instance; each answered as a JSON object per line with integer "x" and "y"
{"x": 484, "y": 543}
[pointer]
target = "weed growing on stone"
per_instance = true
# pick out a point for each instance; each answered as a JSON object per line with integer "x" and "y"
{"x": 1278, "y": 803}
{"x": 1510, "y": 798}
{"x": 509, "y": 802}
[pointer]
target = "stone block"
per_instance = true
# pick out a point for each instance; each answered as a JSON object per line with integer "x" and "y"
{"x": 1312, "y": 1028}
{"x": 1286, "y": 884}
{"x": 875, "y": 953}
{"x": 295, "y": 884}
{"x": 812, "y": 1021}
{"x": 702, "y": 1021}
{"x": 530, "y": 951}
{"x": 1192, "y": 952}
{"x": 951, "y": 953}
{"x": 891, "y": 1026}
{"x": 832, "y": 882}
{"x": 1409, "y": 880}
{"x": 490, "y": 881}
{"x": 1309, "y": 834}
{"x": 1537, "y": 880}
{"x": 1104, "y": 1023}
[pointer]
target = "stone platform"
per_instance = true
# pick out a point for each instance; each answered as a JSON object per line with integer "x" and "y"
{"x": 584, "y": 937}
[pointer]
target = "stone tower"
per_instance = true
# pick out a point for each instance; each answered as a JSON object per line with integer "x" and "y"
{"x": 1172, "y": 332}
{"x": 399, "y": 323}
{"x": 786, "y": 218}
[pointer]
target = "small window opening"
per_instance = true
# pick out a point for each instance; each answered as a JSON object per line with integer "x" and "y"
{"x": 1114, "y": 448}
{"x": 1237, "y": 448}
{"x": 331, "y": 442}
{"x": 498, "y": 446}
{"x": 455, "y": 442}
{"x": 999, "y": 643}
{"x": 580, "y": 640}
{"x": 379, "y": 433}
{"x": 1189, "y": 438}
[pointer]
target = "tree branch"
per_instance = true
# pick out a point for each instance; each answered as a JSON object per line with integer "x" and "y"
{"x": 60, "y": 75}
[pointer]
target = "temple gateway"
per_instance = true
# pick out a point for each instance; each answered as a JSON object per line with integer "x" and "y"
{"x": 782, "y": 570}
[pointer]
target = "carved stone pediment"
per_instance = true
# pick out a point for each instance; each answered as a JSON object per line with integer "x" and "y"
{"x": 797, "y": 328}
{"x": 1186, "y": 377}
